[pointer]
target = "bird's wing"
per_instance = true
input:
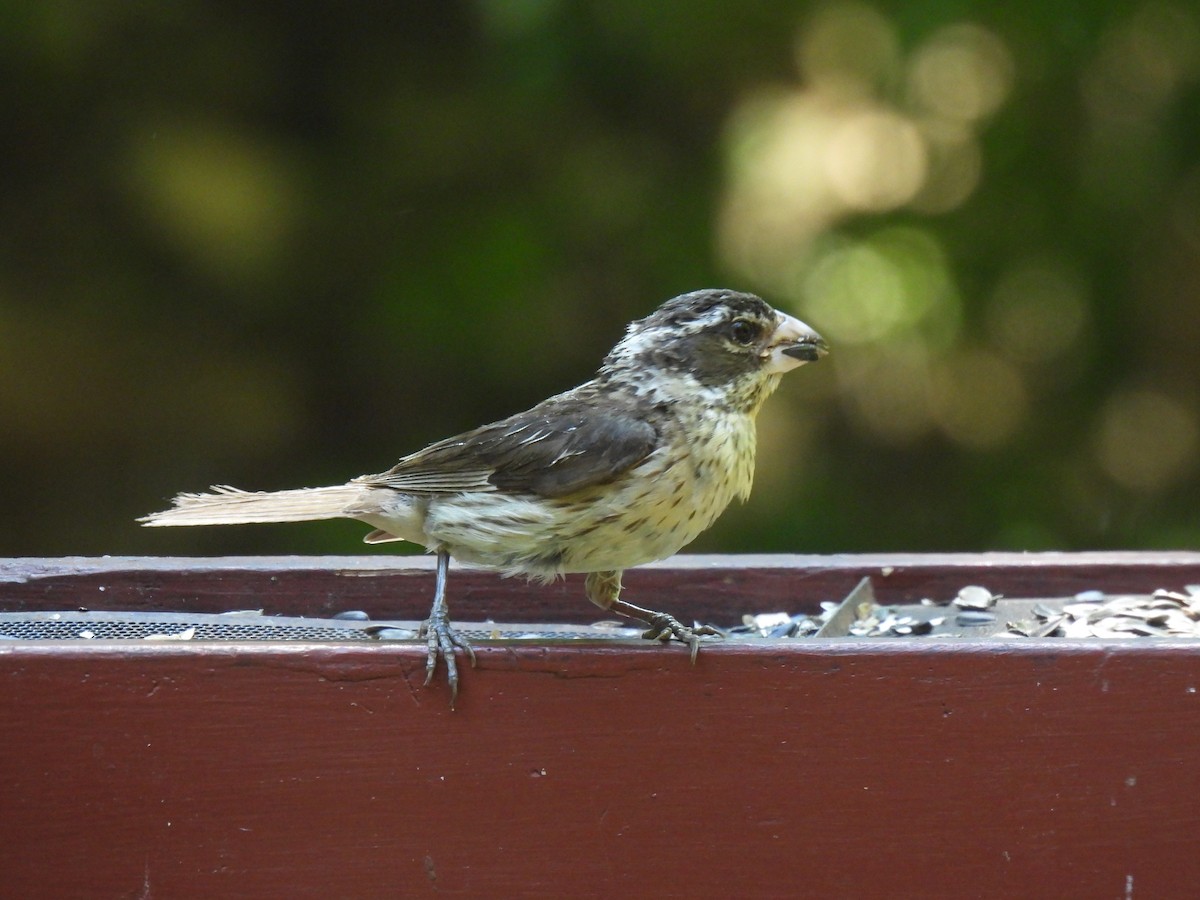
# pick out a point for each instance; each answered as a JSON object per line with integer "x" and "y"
{"x": 551, "y": 452}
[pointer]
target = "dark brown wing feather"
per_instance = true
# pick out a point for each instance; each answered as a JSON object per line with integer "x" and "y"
{"x": 553, "y": 450}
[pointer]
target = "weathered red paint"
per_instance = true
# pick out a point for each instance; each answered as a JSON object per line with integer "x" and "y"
{"x": 840, "y": 768}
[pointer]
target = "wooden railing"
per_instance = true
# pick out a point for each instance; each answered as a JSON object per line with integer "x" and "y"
{"x": 806, "y": 767}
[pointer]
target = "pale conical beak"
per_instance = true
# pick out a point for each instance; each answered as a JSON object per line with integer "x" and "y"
{"x": 794, "y": 344}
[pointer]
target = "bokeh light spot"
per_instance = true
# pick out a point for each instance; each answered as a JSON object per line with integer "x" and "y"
{"x": 875, "y": 161}
{"x": 963, "y": 73}
{"x": 226, "y": 201}
{"x": 886, "y": 391}
{"x": 893, "y": 282}
{"x": 979, "y": 399}
{"x": 1147, "y": 440}
{"x": 848, "y": 47}
{"x": 1038, "y": 311}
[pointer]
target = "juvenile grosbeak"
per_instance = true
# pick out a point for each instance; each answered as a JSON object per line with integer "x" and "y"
{"x": 625, "y": 469}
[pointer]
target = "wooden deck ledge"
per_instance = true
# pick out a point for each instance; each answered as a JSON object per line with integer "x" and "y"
{"x": 801, "y": 768}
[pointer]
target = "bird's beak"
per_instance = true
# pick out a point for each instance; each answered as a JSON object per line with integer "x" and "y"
{"x": 793, "y": 344}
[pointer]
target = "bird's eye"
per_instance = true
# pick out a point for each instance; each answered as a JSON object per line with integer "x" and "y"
{"x": 743, "y": 332}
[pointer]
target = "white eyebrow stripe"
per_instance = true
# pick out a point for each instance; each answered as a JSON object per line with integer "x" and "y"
{"x": 710, "y": 318}
{"x": 636, "y": 341}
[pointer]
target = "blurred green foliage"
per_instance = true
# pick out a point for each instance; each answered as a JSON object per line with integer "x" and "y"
{"x": 276, "y": 245}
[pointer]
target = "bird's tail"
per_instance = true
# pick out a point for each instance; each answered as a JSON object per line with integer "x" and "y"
{"x": 228, "y": 506}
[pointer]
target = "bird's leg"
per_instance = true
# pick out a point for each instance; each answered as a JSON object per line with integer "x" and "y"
{"x": 604, "y": 589}
{"x": 441, "y": 639}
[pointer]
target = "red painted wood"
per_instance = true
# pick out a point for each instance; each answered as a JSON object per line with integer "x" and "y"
{"x": 810, "y": 768}
{"x": 833, "y": 769}
{"x": 718, "y": 589}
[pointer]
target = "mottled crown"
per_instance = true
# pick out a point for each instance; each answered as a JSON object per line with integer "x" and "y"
{"x": 698, "y": 309}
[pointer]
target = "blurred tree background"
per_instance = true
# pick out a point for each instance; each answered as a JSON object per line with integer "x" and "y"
{"x": 276, "y": 245}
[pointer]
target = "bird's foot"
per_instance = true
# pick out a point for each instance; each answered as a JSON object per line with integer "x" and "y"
{"x": 442, "y": 641}
{"x": 663, "y": 627}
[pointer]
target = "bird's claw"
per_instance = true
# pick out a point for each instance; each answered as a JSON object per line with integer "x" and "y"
{"x": 442, "y": 641}
{"x": 663, "y": 627}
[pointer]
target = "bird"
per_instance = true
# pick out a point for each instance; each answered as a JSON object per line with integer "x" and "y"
{"x": 627, "y": 468}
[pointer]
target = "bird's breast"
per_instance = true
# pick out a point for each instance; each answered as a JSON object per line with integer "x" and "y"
{"x": 648, "y": 513}
{"x": 666, "y": 502}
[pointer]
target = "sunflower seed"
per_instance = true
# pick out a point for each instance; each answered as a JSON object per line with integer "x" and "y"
{"x": 975, "y": 597}
{"x": 974, "y": 617}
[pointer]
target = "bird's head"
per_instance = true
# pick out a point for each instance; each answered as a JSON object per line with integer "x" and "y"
{"x": 721, "y": 340}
